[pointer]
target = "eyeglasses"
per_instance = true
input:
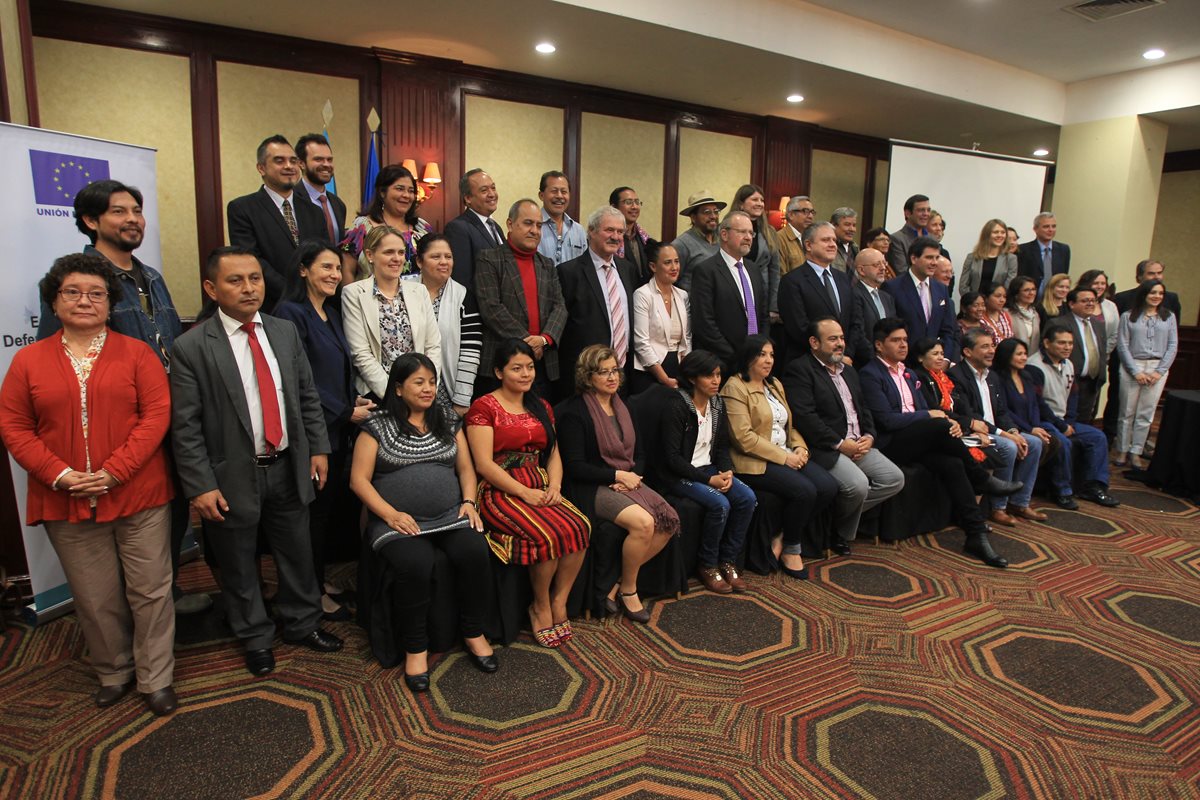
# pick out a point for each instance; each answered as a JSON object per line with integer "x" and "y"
{"x": 73, "y": 295}
{"x": 807, "y": 210}
{"x": 608, "y": 373}
{"x": 631, "y": 202}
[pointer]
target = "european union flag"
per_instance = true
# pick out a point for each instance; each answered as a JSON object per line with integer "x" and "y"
{"x": 58, "y": 177}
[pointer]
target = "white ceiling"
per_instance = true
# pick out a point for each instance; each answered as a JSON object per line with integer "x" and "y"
{"x": 622, "y": 53}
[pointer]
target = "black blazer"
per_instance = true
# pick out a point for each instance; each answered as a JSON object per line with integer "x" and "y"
{"x": 864, "y": 349}
{"x": 718, "y": 313}
{"x": 678, "y": 428}
{"x": 817, "y": 410}
{"x": 1100, "y": 329}
{"x": 967, "y": 390}
{"x": 329, "y": 355}
{"x": 1029, "y": 259}
{"x": 583, "y": 468}
{"x": 468, "y": 237}
{"x": 336, "y": 206}
{"x": 803, "y": 298}
{"x": 257, "y": 225}
{"x": 587, "y": 308}
{"x": 941, "y": 324}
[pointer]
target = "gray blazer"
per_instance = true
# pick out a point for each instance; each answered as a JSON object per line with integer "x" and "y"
{"x": 210, "y": 420}
{"x": 972, "y": 270}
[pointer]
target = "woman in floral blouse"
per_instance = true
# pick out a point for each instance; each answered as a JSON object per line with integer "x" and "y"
{"x": 394, "y": 204}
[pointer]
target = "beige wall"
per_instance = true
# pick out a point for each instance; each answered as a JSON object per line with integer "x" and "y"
{"x": 838, "y": 180}
{"x": 256, "y": 102}
{"x": 14, "y": 69}
{"x": 149, "y": 105}
{"x": 622, "y": 152}
{"x": 493, "y": 128}
{"x": 1175, "y": 238}
{"x": 718, "y": 163}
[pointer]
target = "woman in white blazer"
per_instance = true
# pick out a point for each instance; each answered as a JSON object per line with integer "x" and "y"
{"x": 662, "y": 331}
{"x": 385, "y": 317}
{"x": 989, "y": 264}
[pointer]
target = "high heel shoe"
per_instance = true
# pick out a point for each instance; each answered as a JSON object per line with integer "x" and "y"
{"x": 417, "y": 683}
{"x": 546, "y": 637}
{"x": 642, "y": 616}
{"x": 563, "y": 631}
{"x": 488, "y": 664}
{"x": 799, "y": 574}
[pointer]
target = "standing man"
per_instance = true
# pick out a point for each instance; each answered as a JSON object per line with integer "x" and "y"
{"x": 519, "y": 297}
{"x": 728, "y": 301}
{"x": 816, "y": 290}
{"x": 916, "y": 221}
{"x": 698, "y": 242}
{"x": 800, "y": 214}
{"x": 633, "y": 243}
{"x": 845, "y": 223}
{"x": 562, "y": 237}
{"x": 1088, "y": 356}
{"x": 250, "y": 441}
{"x": 597, "y": 289}
{"x": 1043, "y": 257}
{"x": 474, "y": 230}
{"x": 316, "y": 158}
{"x": 873, "y": 303}
{"x": 270, "y": 223}
{"x": 828, "y": 411}
{"x": 922, "y": 302}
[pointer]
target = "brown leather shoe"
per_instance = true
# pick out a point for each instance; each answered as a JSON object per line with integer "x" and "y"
{"x": 109, "y": 695}
{"x": 1025, "y": 512}
{"x": 730, "y": 573}
{"x": 713, "y": 580}
{"x": 1001, "y": 517}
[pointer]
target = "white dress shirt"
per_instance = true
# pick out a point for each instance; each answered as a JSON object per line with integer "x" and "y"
{"x": 731, "y": 262}
{"x": 239, "y": 342}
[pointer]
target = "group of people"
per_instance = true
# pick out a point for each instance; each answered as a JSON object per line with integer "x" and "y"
{"x": 473, "y": 391}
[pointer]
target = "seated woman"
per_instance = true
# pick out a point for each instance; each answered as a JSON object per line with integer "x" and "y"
{"x": 511, "y": 431}
{"x": 989, "y": 263}
{"x": 768, "y": 454}
{"x": 603, "y": 468}
{"x": 971, "y": 312}
{"x": 1054, "y": 301}
{"x": 1030, "y": 414}
{"x": 662, "y": 328}
{"x": 386, "y": 317}
{"x": 695, "y": 463}
{"x": 412, "y": 470}
{"x": 394, "y": 203}
{"x": 927, "y": 360}
{"x": 457, "y": 318}
{"x": 1022, "y": 311}
{"x": 1147, "y": 342}
{"x": 310, "y": 302}
{"x": 995, "y": 318}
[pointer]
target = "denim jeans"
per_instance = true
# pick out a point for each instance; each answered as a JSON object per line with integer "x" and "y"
{"x": 726, "y": 517}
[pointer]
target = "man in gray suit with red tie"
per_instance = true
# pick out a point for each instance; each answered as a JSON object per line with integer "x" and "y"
{"x": 474, "y": 230}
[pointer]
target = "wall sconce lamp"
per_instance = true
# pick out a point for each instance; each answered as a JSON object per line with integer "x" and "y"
{"x": 428, "y": 183}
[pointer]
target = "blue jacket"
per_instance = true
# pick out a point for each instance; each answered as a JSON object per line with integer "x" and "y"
{"x": 883, "y": 400}
{"x": 127, "y": 316}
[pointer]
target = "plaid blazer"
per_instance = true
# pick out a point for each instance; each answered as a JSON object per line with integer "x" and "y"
{"x": 501, "y": 299}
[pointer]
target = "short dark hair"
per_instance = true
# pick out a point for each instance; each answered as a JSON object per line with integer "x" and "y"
{"x": 310, "y": 138}
{"x": 966, "y": 301}
{"x": 920, "y": 245}
{"x": 1140, "y": 269}
{"x": 554, "y": 173}
{"x": 79, "y": 264}
{"x": 871, "y": 234}
{"x": 614, "y": 196}
{"x": 886, "y": 327}
{"x": 696, "y": 364}
{"x": 424, "y": 243}
{"x": 464, "y": 183}
{"x": 261, "y": 153}
{"x": 1054, "y": 330}
{"x": 1015, "y": 286}
{"x": 213, "y": 263}
{"x": 918, "y": 349}
{"x": 748, "y": 353}
{"x": 653, "y": 248}
{"x": 1073, "y": 295}
{"x": 386, "y": 177}
{"x": 306, "y": 253}
{"x": 436, "y": 421}
{"x": 971, "y": 337}
{"x": 93, "y": 200}
{"x": 911, "y": 202}
{"x": 814, "y": 326}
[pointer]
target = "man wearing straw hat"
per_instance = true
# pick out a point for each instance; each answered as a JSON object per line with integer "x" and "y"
{"x": 700, "y": 241}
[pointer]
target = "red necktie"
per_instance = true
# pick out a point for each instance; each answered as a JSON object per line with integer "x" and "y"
{"x": 272, "y": 422}
{"x": 333, "y": 239}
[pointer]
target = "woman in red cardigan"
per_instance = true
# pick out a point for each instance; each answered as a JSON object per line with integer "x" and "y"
{"x": 85, "y": 412}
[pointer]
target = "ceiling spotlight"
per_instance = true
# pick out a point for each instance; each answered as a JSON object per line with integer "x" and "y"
{"x": 795, "y": 98}
{"x": 1041, "y": 151}
{"x": 545, "y": 47}
{"x": 1154, "y": 54}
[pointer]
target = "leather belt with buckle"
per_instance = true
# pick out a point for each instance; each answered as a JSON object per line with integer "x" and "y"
{"x": 268, "y": 460}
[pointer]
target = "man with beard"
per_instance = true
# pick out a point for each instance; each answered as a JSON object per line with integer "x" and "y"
{"x": 698, "y": 242}
{"x": 316, "y": 158}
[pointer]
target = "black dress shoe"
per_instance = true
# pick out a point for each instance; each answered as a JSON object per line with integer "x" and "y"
{"x": 1065, "y": 501}
{"x": 343, "y": 614}
{"x": 799, "y": 574}
{"x": 841, "y": 547}
{"x": 162, "y": 701}
{"x": 999, "y": 488}
{"x": 1100, "y": 497}
{"x": 981, "y": 548}
{"x": 319, "y": 640}
{"x": 109, "y": 695}
{"x": 417, "y": 683}
{"x": 488, "y": 664}
{"x": 260, "y": 662}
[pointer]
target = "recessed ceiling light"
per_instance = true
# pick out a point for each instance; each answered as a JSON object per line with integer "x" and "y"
{"x": 795, "y": 98}
{"x": 1041, "y": 151}
{"x": 1153, "y": 54}
{"x": 545, "y": 47}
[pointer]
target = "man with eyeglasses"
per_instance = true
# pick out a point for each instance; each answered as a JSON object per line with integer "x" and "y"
{"x": 1088, "y": 355}
{"x": 800, "y": 214}
{"x": 633, "y": 245}
{"x": 699, "y": 242}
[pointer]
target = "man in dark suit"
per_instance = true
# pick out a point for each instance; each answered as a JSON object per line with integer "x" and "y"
{"x": 922, "y": 302}
{"x": 270, "y": 222}
{"x": 519, "y": 297}
{"x": 981, "y": 395}
{"x": 873, "y": 303}
{"x": 728, "y": 301}
{"x": 917, "y": 213}
{"x": 828, "y": 411}
{"x": 1088, "y": 354}
{"x": 912, "y": 433}
{"x": 250, "y": 442}
{"x": 474, "y": 230}
{"x": 815, "y": 289}
{"x": 845, "y": 222}
{"x": 1043, "y": 257}
{"x": 316, "y": 158}
{"x": 598, "y": 288}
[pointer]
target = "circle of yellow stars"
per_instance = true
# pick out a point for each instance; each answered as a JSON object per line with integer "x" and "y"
{"x": 69, "y": 165}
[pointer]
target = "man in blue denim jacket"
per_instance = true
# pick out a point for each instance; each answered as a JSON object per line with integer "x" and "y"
{"x": 110, "y": 214}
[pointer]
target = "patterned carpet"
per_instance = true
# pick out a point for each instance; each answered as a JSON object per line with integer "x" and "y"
{"x": 899, "y": 672}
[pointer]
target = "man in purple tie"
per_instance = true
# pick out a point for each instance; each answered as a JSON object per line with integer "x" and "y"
{"x": 728, "y": 301}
